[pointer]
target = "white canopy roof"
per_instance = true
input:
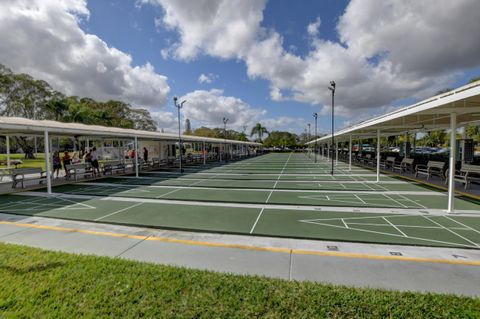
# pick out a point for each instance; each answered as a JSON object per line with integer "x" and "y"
{"x": 19, "y": 126}
{"x": 430, "y": 114}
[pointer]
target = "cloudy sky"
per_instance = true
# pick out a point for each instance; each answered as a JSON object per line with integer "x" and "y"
{"x": 248, "y": 60}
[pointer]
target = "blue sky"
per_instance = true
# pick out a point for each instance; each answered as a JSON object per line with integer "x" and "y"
{"x": 268, "y": 61}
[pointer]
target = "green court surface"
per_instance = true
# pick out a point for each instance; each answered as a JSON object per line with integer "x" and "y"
{"x": 291, "y": 200}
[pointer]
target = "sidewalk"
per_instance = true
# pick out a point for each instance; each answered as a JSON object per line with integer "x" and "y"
{"x": 440, "y": 270}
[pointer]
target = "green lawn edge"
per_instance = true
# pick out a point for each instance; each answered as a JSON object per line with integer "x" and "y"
{"x": 44, "y": 284}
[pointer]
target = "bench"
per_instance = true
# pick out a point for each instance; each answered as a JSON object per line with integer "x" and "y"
{"x": 367, "y": 159}
{"x": 466, "y": 174}
{"x": 21, "y": 175}
{"x": 78, "y": 169}
{"x": 405, "y": 164}
{"x": 5, "y": 173}
{"x": 113, "y": 167}
{"x": 387, "y": 163}
{"x": 432, "y": 168}
{"x": 155, "y": 162}
{"x": 142, "y": 165}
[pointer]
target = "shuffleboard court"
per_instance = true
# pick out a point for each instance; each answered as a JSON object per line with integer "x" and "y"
{"x": 284, "y": 195}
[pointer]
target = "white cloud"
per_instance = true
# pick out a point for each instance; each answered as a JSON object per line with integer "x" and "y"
{"x": 313, "y": 28}
{"x": 207, "y": 78}
{"x": 418, "y": 37}
{"x": 222, "y": 28}
{"x": 388, "y": 51}
{"x": 284, "y": 123}
{"x": 165, "y": 120}
{"x": 208, "y": 108}
{"x": 43, "y": 38}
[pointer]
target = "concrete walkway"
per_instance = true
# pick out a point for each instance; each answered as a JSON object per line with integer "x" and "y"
{"x": 406, "y": 268}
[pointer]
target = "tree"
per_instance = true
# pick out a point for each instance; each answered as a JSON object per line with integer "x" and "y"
{"x": 23, "y": 96}
{"x": 142, "y": 120}
{"x": 259, "y": 130}
{"x": 434, "y": 138}
{"x": 281, "y": 139}
{"x": 473, "y": 132}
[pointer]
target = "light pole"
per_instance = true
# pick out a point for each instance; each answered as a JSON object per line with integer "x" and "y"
{"x": 315, "y": 116}
{"x": 225, "y": 120}
{"x": 180, "y": 148}
{"x": 332, "y": 88}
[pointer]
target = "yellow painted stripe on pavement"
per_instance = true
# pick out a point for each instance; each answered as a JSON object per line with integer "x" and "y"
{"x": 252, "y": 248}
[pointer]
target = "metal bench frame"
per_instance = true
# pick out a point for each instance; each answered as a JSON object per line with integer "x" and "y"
{"x": 432, "y": 168}
{"x": 466, "y": 174}
{"x": 78, "y": 169}
{"x": 403, "y": 165}
{"x": 18, "y": 176}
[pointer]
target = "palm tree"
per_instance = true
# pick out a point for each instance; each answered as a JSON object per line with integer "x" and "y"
{"x": 259, "y": 130}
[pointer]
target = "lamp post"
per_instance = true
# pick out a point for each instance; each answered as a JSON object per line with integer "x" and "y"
{"x": 315, "y": 116}
{"x": 180, "y": 148}
{"x": 225, "y": 120}
{"x": 332, "y": 88}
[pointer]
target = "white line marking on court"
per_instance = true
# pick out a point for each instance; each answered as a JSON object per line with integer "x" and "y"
{"x": 253, "y": 174}
{"x": 456, "y": 221}
{"x": 376, "y": 210}
{"x": 408, "y": 226}
{"x": 256, "y": 221}
{"x": 396, "y": 201}
{"x": 118, "y": 211}
{"x": 191, "y": 186}
{"x": 358, "y": 197}
{"x": 408, "y": 199}
{"x": 448, "y": 229}
{"x": 343, "y": 221}
{"x": 394, "y": 235}
{"x": 278, "y": 178}
{"x": 391, "y": 224}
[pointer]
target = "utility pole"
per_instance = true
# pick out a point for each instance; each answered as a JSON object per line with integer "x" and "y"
{"x": 315, "y": 116}
{"x": 332, "y": 88}
{"x": 225, "y": 120}
{"x": 180, "y": 146}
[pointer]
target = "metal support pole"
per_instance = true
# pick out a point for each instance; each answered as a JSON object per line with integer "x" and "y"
{"x": 135, "y": 146}
{"x": 336, "y": 154}
{"x": 328, "y": 151}
{"x": 350, "y": 154}
{"x": 7, "y": 144}
{"x": 47, "y": 163}
{"x": 378, "y": 156}
{"x": 451, "y": 167}
{"x": 204, "y": 154}
{"x": 464, "y": 137}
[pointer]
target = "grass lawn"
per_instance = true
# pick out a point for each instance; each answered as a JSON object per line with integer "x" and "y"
{"x": 39, "y": 283}
{"x": 38, "y": 162}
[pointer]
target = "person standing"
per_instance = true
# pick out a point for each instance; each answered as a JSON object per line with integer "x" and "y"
{"x": 145, "y": 154}
{"x": 67, "y": 160}
{"x": 56, "y": 163}
{"x": 94, "y": 159}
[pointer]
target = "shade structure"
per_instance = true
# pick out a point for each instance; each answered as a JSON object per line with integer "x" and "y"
{"x": 430, "y": 114}
{"x": 449, "y": 110}
{"x": 23, "y": 126}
